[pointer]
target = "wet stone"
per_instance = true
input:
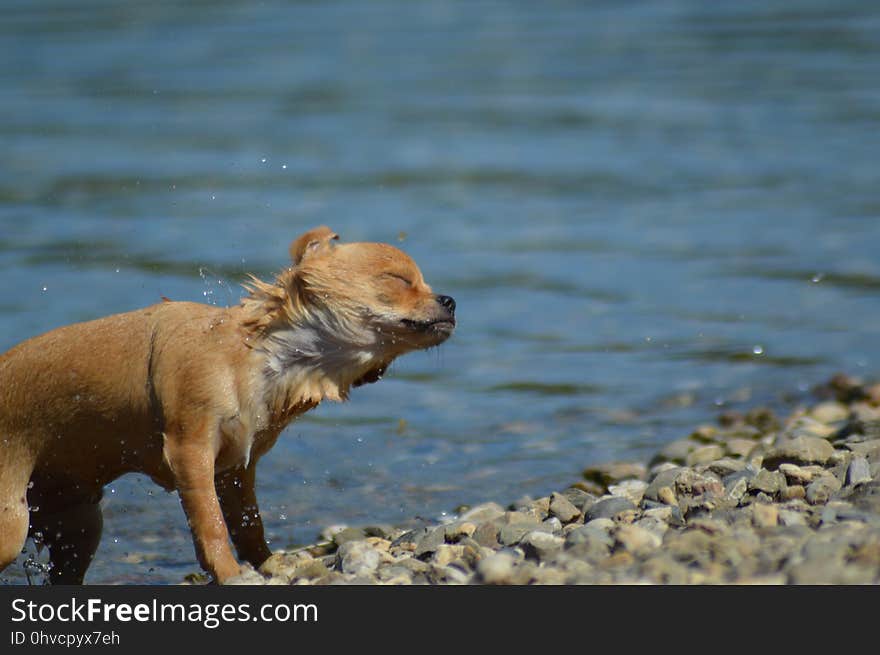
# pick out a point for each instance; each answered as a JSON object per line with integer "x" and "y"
{"x": 805, "y": 426}
{"x": 794, "y": 474}
{"x": 737, "y": 487}
{"x": 676, "y": 451}
{"x": 357, "y": 557}
{"x": 800, "y": 450}
{"x": 764, "y": 516}
{"x": 497, "y": 569}
{"x": 704, "y": 455}
{"x": 563, "y": 509}
{"x": 248, "y": 576}
{"x": 605, "y": 474}
{"x": 820, "y": 490}
{"x": 458, "y": 530}
{"x": 486, "y": 534}
{"x": 865, "y": 448}
{"x": 663, "y": 479}
{"x": 793, "y": 492}
{"x": 446, "y": 553}
{"x": 309, "y": 570}
{"x": 429, "y": 540}
{"x": 725, "y": 466}
{"x": 540, "y": 545}
{"x": 788, "y": 517}
{"x": 829, "y": 412}
{"x": 552, "y": 525}
{"x": 382, "y": 531}
{"x": 608, "y": 508}
{"x": 690, "y": 483}
{"x": 667, "y": 496}
{"x": 512, "y": 534}
{"x": 858, "y": 472}
{"x": 482, "y": 512}
{"x": 590, "y": 543}
{"x": 601, "y": 523}
{"x": 636, "y": 539}
{"x": 348, "y": 534}
{"x": 632, "y": 490}
{"x": 579, "y": 498}
{"x": 739, "y": 447}
{"x": 770, "y": 482}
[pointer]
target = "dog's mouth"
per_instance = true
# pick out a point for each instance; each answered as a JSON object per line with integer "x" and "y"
{"x": 441, "y": 325}
{"x": 370, "y": 376}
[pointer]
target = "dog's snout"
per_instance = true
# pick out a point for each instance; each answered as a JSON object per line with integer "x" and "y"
{"x": 448, "y": 302}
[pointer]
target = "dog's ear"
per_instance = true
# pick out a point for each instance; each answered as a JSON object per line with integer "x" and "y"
{"x": 312, "y": 242}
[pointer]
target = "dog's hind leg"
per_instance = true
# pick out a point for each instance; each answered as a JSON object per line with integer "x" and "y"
{"x": 14, "y": 513}
{"x": 72, "y": 534}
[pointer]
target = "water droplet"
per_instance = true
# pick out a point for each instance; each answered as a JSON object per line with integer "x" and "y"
{"x": 818, "y": 277}
{"x": 45, "y": 289}
{"x": 31, "y": 484}
{"x": 283, "y": 517}
{"x": 758, "y": 350}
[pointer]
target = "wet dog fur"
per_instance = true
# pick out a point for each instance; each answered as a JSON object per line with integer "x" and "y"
{"x": 194, "y": 395}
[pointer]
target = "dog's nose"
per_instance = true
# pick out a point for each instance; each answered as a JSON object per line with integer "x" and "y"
{"x": 448, "y": 302}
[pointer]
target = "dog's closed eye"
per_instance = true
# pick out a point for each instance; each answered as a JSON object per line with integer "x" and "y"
{"x": 397, "y": 276}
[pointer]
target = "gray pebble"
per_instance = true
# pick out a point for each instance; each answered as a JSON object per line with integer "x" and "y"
{"x": 636, "y": 539}
{"x": 512, "y": 534}
{"x": 552, "y": 525}
{"x": 770, "y": 482}
{"x": 357, "y": 557}
{"x": 820, "y": 489}
{"x": 540, "y": 545}
{"x": 585, "y": 534}
{"x": 665, "y": 479}
{"x": 800, "y": 450}
{"x": 563, "y": 509}
{"x": 483, "y": 512}
{"x": 496, "y": 569}
{"x": 348, "y": 534}
{"x": 430, "y": 540}
{"x": 486, "y": 534}
{"x": 859, "y": 471}
{"x": 579, "y": 498}
{"x": 608, "y": 508}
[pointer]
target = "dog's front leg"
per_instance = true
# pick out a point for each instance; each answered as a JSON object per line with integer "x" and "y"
{"x": 238, "y": 499}
{"x": 192, "y": 462}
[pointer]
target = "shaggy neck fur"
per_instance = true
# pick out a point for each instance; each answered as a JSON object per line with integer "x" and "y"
{"x": 311, "y": 353}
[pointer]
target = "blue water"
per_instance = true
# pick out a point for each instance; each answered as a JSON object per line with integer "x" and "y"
{"x": 645, "y": 211}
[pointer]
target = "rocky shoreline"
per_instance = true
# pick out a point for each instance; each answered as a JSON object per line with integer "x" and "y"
{"x": 752, "y": 500}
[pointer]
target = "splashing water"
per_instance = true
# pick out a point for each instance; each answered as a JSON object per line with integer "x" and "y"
{"x": 213, "y": 284}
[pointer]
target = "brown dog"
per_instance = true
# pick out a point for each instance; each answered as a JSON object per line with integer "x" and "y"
{"x": 193, "y": 395}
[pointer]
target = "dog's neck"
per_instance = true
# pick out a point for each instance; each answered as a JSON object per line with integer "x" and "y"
{"x": 319, "y": 356}
{"x": 308, "y": 354}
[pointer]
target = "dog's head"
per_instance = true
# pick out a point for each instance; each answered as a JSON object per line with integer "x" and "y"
{"x": 357, "y": 306}
{"x": 374, "y": 286}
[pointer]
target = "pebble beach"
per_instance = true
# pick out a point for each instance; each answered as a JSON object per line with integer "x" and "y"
{"x": 752, "y": 499}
